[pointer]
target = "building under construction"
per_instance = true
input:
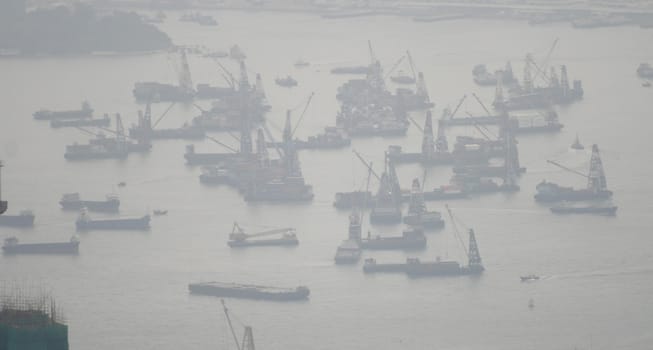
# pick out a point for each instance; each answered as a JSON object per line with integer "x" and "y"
{"x": 28, "y": 323}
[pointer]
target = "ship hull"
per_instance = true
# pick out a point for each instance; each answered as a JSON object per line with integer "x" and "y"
{"x": 114, "y": 224}
{"x": 264, "y": 242}
{"x": 17, "y": 220}
{"x": 584, "y": 210}
{"x": 572, "y": 195}
{"x": 99, "y": 206}
{"x": 248, "y": 292}
{"x": 43, "y": 248}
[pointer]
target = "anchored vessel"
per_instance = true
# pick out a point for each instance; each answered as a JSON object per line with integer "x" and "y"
{"x": 61, "y": 123}
{"x": 415, "y": 268}
{"x": 238, "y": 237}
{"x": 84, "y": 222}
{"x": 387, "y": 204}
{"x": 24, "y": 219}
{"x": 349, "y": 251}
{"x": 249, "y": 291}
{"x": 85, "y": 112}
{"x": 411, "y": 239}
{"x": 73, "y": 201}
{"x": 12, "y": 246}
{"x": 418, "y": 215}
{"x": 286, "y": 82}
{"x": 596, "y": 184}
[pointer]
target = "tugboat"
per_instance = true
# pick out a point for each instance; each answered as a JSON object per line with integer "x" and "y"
{"x": 288, "y": 81}
{"x": 238, "y": 237}
{"x": 577, "y": 145}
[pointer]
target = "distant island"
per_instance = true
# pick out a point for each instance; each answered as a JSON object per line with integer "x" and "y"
{"x": 74, "y": 30}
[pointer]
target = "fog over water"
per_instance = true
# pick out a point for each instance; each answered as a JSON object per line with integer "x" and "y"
{"x": 129, "y": 290}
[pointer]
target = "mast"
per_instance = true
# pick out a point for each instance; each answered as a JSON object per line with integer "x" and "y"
{"x": 474, "y": 255}
{"x": 421, "y": 87}
{"x": 498, "y": 93}
{"x": 185, "y": 80}
{"x": 416, "y": 198}
{"x": 428, "y": 146}
{"x": 528, "y": 78}
{"x": 262, "y": 149}
{"x": 441, "y": 144}
{"x": 596, "y": 179}
{"x": 564, "y": 81}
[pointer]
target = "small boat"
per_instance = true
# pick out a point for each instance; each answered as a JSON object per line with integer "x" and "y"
{"x": 577, "y": 145}
{"x": 531, "y": 303}
{"x": 529, "y": 278}
{"x": 301, "y": 64}
{"x": 122, "y": 184}
{"x": 286, "y": 82}
{"x": 646, "y": 84}
{"x": 159, "y": 212}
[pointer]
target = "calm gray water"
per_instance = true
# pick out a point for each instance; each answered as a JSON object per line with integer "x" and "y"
{"x": 128, "y": 290}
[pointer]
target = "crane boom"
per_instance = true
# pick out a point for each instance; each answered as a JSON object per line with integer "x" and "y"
{"x": 221, "y": 144}
{"x": 415, "y": 123}
{"x": 163, "y": 115}
{"x": 482, "y": 105}
{"x": 455, "y": 229}
{"x": 394, "y": 66}
{"x": 231, "y": 327}
{"x": 568, "y": 169}
{"x": 460, "y": 103}
{"x": 545, "y": 61}
{"x": 412, "y": 64}
{"x": 367, "y": 165}
{"x": 301, "y": 117}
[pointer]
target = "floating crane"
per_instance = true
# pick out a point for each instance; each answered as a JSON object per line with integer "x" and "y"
{"x": 238, "y": 237}
{"x": 596, "y": 183}
{"x": 248, "y": 336}
{"x": 596, "y": 177}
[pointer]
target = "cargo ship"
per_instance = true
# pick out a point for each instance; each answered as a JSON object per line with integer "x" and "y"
{"x": 24, "y": 219}
{"x": 596, "y": 184}
{"x": 238, "y": 237}
{"x": 248, "y": 291}
{"x": 73, "y": 201}
{"x": 85, "y": 112}
{"x": 84, "y": 222}
{"x": 105, "y": 121}
{"x": 412, "y": 239}
{"x": 592, "y": 209}
{"x": 12, "y": 246}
